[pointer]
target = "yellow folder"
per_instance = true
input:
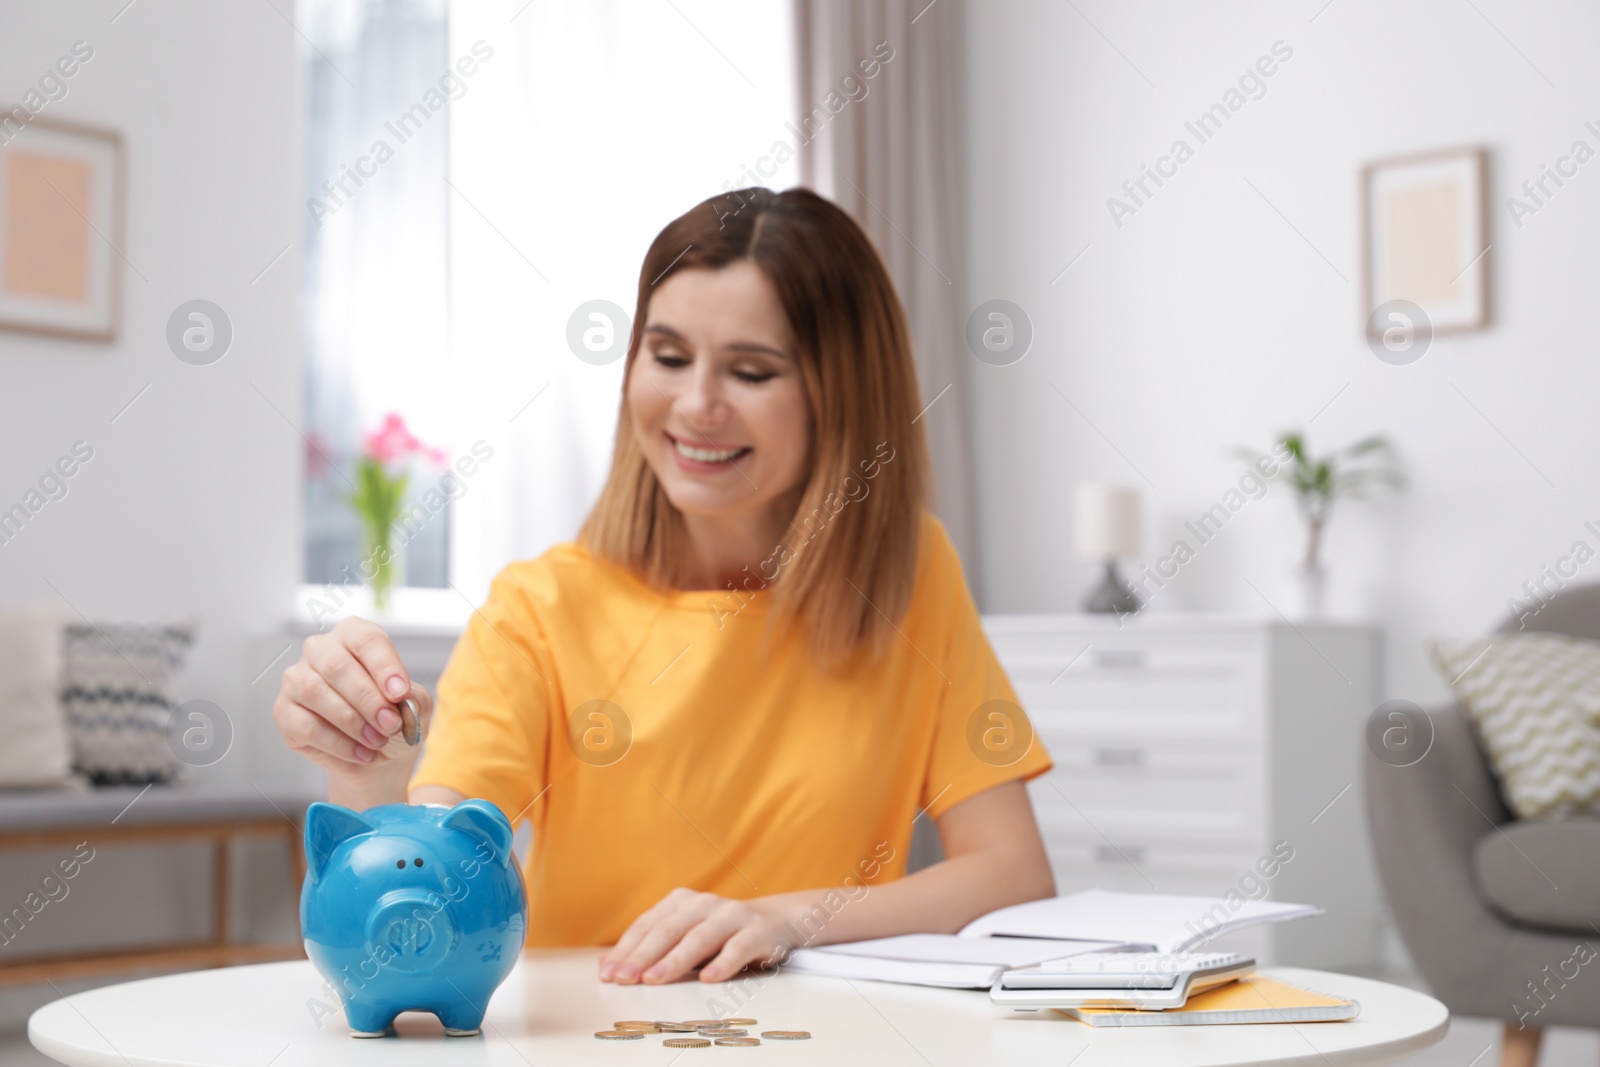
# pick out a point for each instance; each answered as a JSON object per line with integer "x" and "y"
{"x": 1253, "y": 999}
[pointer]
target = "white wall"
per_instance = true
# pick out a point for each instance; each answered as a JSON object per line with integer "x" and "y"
{"x": 189, "y": 507}
{"x": 1207, "y": 321}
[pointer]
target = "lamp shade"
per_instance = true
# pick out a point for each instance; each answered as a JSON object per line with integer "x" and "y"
{"x": 1106, "y": 521}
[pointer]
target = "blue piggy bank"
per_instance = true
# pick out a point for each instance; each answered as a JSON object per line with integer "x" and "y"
{"x": 412, "y": 908}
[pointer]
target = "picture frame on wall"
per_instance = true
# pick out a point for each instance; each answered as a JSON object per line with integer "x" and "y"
{"x": 1426, "y": 236}
{"x": 61, "y": 208}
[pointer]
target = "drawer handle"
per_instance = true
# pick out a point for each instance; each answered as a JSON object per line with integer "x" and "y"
{"x": 1119, "y": 658}
{"x": 1119, "y": 757}
{"x": 1129, "y": 854}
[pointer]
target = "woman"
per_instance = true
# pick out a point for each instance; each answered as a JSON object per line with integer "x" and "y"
{"x": 723, "y": 707}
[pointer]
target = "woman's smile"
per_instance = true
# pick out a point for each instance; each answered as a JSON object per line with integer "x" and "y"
{"x": 708, "y": 458}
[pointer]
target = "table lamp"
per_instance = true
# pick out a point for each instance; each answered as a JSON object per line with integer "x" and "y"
{"x": 1106, "y": 522}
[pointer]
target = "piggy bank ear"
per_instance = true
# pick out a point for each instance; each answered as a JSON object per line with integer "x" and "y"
{"x": 326, "y": 826}
{"x": 483, "y": 821}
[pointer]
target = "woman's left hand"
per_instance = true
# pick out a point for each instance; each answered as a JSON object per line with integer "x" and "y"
{"x": 685, "y": 928}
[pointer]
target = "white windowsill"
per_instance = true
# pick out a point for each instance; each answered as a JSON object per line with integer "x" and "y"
{"x": 411, "y": 611}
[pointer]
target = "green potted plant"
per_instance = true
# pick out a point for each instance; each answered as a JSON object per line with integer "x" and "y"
{"x": 1350, "y": 472}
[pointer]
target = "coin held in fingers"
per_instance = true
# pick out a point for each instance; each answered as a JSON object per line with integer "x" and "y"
{"x": 411, "y": 721}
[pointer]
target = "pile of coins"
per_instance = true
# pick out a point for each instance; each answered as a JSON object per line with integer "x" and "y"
{"x": 729, "y": 1033}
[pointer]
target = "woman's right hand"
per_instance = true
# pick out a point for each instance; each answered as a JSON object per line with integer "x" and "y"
{"x": 336, "y": 706}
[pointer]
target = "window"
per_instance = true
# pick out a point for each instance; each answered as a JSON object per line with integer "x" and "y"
{"x": 442, "y": 288}
{"x": 376, "y": 284}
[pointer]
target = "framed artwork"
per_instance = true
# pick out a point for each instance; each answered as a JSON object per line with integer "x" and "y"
{"x": 60, "y": 228}
{"x": 1426, "y": 236}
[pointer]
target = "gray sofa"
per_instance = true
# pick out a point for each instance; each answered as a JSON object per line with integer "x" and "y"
{"x": 1493, "y": 910}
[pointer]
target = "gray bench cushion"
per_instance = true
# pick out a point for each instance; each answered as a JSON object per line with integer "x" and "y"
{"x": 160, "y": 804}
{"x": 1543, "y": 873}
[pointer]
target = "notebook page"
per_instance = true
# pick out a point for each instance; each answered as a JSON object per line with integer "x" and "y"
{"x": 949, "y": 948}
{"x": 1157, "y": 921}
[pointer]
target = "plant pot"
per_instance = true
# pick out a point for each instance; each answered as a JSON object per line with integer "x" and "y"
{"x": 1311, "y": 588}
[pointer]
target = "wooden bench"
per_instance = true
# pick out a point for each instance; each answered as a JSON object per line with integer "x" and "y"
{"x": 220, "y": 814}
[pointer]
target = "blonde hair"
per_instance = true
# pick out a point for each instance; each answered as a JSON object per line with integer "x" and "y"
{"x": 847, "y": 566}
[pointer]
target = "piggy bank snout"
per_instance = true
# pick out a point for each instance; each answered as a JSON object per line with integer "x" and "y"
{"x": 410, "y": 930}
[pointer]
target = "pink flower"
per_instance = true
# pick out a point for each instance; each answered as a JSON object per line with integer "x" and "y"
{"x": 393, "y": 443}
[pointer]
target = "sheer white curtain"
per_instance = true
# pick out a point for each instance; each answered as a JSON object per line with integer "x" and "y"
{"x": 890, "y": 152}
{"x": 589, "y": 128}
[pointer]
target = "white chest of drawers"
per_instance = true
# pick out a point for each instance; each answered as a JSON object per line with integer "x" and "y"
{"x": 1193, "y": 751}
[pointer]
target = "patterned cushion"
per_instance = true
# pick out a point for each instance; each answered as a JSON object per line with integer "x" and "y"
{"x": 118, "y": 698}
{"x": 1536, "y": 700}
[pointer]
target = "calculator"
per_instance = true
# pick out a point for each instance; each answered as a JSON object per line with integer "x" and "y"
{"x": 1145, "y": 980}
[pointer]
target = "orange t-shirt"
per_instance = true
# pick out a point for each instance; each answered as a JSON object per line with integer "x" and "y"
{"x": 639, "y": 732}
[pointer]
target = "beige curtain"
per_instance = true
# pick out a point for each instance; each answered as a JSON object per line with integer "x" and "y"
{"x": 880, "y": 100}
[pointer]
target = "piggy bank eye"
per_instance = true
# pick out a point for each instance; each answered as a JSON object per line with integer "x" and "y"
{"x": 400, "y": 863}
{"x": 417, "y": 861}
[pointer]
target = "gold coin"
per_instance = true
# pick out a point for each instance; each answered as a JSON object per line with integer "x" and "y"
{"x": 698, "y": 1023}
{"x": 619, "y": 1035}
{"x": 675, "y": 1028}
{"x": 723, "y": 1031}
{"x": 627, "y": 1024}
{"x": 738, "y": 1042}
{"x": 639, "y": 1028}
{"x": 686, "y": 1042}
{"x": 411, "y": 721}
{"x": 787, "y": 1035}
{"x": 738, "y": 1022}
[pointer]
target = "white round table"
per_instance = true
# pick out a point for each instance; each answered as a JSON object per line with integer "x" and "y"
{"x": 549, "y": 1008}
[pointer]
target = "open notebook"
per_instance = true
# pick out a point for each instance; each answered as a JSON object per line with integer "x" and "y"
{"x": 1095, "y": 920}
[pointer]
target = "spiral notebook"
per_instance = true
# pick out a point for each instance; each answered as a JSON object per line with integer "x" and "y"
{"x": 1253, "y": 999}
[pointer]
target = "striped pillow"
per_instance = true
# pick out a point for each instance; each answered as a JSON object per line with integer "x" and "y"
{"x": 118, "y": 699}
{"x": 1536, "y": 701}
